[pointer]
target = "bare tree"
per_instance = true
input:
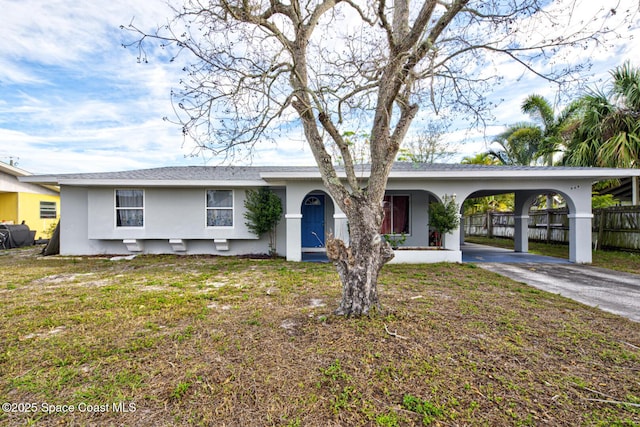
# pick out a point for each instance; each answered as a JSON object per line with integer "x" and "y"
{"x": 427, "y": 147}
{"x": 259, "y": 67}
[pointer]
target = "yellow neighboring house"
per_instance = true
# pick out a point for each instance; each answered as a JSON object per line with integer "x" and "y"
{"x": 35, "y": 204}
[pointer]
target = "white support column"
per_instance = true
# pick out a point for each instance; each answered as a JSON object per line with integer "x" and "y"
{"x": 522, "y": 203}
{"x": 521, "y": 233}
{"x": 580, "y": 238}
{"x": 294, "y": 237}
{"x": 342, "y": 229}
{"x": 452, "y": 239}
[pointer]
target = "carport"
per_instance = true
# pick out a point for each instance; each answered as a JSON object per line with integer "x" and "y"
{"x": 526, "y": 183}
{"x": 577, "y": 195}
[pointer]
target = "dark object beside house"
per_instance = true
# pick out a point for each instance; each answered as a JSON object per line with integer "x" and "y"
{"x": 15, "y": 236}
{"x": 53, "y": 247}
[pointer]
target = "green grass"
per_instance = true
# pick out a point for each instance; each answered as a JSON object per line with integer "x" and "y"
{"x": 187, "y": 340}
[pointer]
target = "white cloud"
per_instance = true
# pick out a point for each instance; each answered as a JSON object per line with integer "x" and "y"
{"x": 73, "y": 91}
{"x": 74, "y": 100}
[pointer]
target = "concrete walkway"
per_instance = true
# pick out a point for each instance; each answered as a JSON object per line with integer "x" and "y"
{"x": 611, "y": 291}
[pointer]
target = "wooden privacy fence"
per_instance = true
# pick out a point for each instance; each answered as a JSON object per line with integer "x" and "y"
{"x": 616, "y": 227}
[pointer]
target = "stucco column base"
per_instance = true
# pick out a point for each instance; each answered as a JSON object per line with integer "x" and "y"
{"x": 580, "y": 238}
{"x": 452, "y": 239}
{"x": 294, "y": 237}
{"x": 342, "y": 230}
{"x": 521, "y": 233}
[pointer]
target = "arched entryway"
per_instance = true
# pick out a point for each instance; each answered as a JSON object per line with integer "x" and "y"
{"x": 579, "y": 221}
{"x": 313, "y": 221}
{"x": 317, "y": 221}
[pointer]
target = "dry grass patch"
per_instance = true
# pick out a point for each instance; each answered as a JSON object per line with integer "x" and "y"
{"x": 226, "y": 341}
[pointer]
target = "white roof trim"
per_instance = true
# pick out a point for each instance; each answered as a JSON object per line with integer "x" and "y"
{"x": 520, "y": 174}
{"x": 12, "y": 170}
{"x": 548, "y": 173}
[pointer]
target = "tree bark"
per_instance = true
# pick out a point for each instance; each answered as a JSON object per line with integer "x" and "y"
{"x": 359, "y": 264}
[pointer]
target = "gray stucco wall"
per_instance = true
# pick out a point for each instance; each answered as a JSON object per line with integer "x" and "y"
{"x": 168, "y": 213}
{"x": 88, "y": 224}
{"x": 88, "y": 217}
{"x": 74, "y": 239}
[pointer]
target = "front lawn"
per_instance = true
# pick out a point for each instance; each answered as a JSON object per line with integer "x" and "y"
{"x": 187, "y": 340}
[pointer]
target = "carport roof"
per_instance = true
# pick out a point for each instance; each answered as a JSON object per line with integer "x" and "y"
{"x": 263, "y": 175}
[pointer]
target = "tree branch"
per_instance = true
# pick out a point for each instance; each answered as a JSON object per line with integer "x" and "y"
{"x": 328, "y": 125}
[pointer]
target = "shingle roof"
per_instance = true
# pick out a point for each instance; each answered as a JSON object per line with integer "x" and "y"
{"x": 259, "y": 173}
{"x": 254, "y": 172}
{"x": 182, "y": 173}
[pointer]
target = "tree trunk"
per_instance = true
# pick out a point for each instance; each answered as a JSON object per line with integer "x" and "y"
{"x": 359, "y": 264}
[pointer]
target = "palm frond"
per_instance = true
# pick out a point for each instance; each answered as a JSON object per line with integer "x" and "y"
{"x": 539, "y": 108}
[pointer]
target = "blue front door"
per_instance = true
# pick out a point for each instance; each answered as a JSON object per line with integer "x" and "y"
{"x": 313, "y": 222}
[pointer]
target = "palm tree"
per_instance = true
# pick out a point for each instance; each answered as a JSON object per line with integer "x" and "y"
{"x": 479, "y": 159}
{"x": 608, "y": 124}
{"x": 535, "y": 143}
{"x": 520, "y": 144}
{"x": 553, "y": 128}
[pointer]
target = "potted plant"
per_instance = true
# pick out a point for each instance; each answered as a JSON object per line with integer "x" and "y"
{"x": 394, "y": 240}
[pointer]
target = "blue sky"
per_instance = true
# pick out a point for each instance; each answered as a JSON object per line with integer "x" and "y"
{"x": 73, "y": 100}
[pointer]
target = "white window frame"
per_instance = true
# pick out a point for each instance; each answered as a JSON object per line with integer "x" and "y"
{"x": 116, "y": 208}
{"x": 213, "y": 208}
{"x": 49, "y": 208}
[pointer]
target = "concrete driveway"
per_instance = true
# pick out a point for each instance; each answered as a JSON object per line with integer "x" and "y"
{"x": 611, "y": 291}
{"x": 473, "y": 252}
